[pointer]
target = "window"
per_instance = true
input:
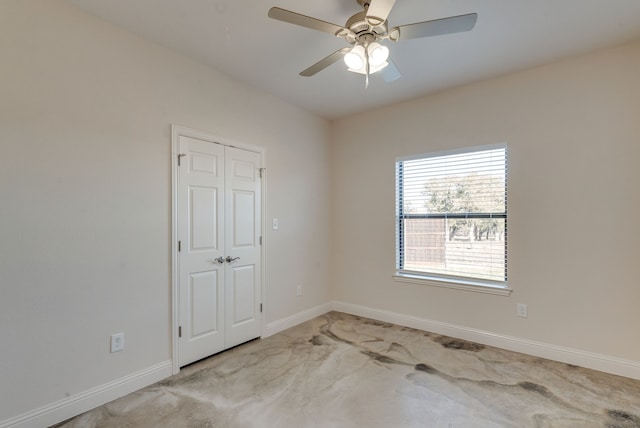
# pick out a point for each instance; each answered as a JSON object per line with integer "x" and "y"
{"x": 451, "y": 219}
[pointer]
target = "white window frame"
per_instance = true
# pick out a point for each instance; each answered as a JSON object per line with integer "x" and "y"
{"x": 439, "y": 280}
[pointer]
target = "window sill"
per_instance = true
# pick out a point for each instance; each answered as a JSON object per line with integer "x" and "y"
{"x": 456, "y": 284}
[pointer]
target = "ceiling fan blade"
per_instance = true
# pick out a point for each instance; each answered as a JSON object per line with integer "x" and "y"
{"x": 453, "y": 24}
{"x": 325, "y": 62}
{"x": 390, "y": 72}
{"x": 379, "y": 10}
{"x": 304, "y": 21}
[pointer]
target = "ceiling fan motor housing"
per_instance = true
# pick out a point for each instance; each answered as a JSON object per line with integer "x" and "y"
{"x": 362, "y": 31}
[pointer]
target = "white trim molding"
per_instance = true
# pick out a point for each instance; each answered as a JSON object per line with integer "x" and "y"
{"x": 79, "y": 403}
{"x": 456, "y": 284}
{"x": 297, "y": 318}
{"x": 604, "y": 363}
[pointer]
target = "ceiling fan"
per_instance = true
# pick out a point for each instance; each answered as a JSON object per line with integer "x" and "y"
{"x": 365, "y": 30}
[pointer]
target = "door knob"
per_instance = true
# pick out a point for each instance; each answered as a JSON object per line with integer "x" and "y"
{"x": 219, "y": 260}
{"x": 229, "y": 259}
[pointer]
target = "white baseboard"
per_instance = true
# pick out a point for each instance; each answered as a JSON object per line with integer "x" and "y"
{"x": 604, "y": 363}
{"x": 87, "y": 400}
{"x": 295, "y": 319}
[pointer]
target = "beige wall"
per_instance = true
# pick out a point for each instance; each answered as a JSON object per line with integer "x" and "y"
{"x": 573, "y": 135}
{"x": 85, "y": 185}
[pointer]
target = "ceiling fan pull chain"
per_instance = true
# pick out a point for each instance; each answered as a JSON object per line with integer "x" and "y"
{"x": 366, "y": 60}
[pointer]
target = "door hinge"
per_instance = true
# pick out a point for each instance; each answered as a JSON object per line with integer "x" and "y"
{"x": 180, "y": 157}
{"x": 180, "y": 331}
{"x": 179, "y": 246}
{"x": 260, "y": 240}
{"x": 260, "y": 307}
{"x": 261, "y": 171}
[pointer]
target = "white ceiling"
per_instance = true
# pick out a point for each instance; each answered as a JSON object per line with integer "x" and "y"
{"x": 237, "y": 38}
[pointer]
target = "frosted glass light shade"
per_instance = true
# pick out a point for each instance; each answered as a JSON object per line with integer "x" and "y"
{"x": 355, "y": 59}
{"x": 378, "y": 54}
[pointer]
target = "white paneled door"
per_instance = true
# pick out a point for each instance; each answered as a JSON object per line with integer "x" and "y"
{"x": 219, "y": 228}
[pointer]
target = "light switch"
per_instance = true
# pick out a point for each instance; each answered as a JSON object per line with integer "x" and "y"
{"x": 275, "y": 224}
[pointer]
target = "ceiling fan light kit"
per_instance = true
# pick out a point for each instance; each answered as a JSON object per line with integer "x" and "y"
{"x": 366, "y": 30}
{"x": 369, "y": 60}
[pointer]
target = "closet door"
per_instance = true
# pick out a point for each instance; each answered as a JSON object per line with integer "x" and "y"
{"x": 201, "y": 249}
{"x": 219, "y": 228}
{"x": 242, "y": 214}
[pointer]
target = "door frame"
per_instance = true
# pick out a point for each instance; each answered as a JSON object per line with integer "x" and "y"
{"x": 181, "y": 131}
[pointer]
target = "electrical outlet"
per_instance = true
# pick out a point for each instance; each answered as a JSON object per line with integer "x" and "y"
{"x": 522, "y": 310}
{"x": 117, "y": 342}
{"x": 276, "y": 224}
{"x": 299, "y": 290}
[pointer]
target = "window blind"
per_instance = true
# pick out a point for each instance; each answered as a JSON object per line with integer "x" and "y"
{"x": 451, "y": 214}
